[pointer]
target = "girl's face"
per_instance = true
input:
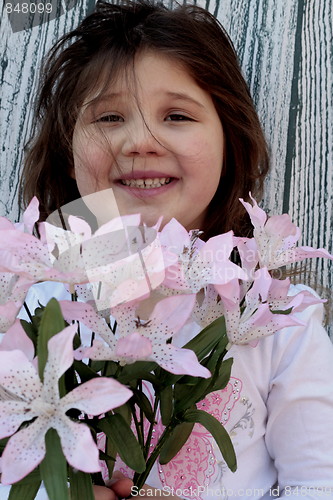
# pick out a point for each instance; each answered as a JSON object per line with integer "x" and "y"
{"x": 157, "y": 141}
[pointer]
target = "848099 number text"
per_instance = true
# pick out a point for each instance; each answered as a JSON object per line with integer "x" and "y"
{"x": 28, "y": 8}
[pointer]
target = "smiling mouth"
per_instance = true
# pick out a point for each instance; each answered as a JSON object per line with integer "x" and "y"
{"x": 148, "y": 183}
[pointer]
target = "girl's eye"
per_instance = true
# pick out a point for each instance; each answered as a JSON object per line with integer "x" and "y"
{"x": 111, "y": 118}
{"x": 177, "y": 117}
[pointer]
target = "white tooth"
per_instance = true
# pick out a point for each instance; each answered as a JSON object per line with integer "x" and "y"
{"x": 146, "y": 183}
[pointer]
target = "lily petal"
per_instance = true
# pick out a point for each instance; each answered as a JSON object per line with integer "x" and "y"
{"x": 133, "y": 347}
{"x": 18, "y": 375}
{"x": 78, "y": 445}
{"x": 24, "y": 451}
{"x": 96, "y": 396}
{"x": 179, "y": 361}
{"x": 16, "y": 338}
{"x": 12, "y": 414}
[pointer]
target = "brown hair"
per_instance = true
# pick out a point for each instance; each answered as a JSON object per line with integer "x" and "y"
{"x": 111, "y": 37}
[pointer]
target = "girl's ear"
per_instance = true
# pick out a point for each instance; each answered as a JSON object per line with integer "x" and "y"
{"x": 72, "y": 173}
{"x": 224, "y": 161}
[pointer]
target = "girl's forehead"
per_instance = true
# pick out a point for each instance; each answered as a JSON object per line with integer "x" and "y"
{"x": 148, "y": 70}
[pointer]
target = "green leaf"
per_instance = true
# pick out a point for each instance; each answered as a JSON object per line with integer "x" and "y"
{"x": 223, "y": 377}
{"x": 3, "y": 443}
{"x": 51, "y": 323}
{"x": 24, "y": 491}
{"x": 138, "y": 370}
{"x": 218, "y": 432}
{"x": 80, "y": 485}
{"x": 104, "y": 456}
{"x": 185, "y": 396}
{"x": 206, "y": 340}
{"x": 111, "y": 451}
{"x": 175, "y": 442}
{"x": 53, "y": 468}
{"x": 97, "y": 366}
{"x": 125, "y": 411}
{"x": 166, "y": 405}
{"x": 110, "y": 368}
{"x": 86, "y": 373}
{"x": 202, "y": 344}
{"x": 121, "y": 436}
{"x": 282, "y": 311}
{"x": 144, "y": 404}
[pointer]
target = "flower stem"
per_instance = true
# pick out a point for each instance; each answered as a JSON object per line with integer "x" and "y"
{"x": 140, "y": 479}
{"x": 137, "y": 425}
{"x": 151, "y": 428}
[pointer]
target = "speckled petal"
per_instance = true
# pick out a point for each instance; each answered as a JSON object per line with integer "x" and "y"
{"x": 18, "y": 375}
{"x": 12, "y": 414}
{"x": 24, "y": 451}
{"x": 96, "y": 396}
{"x": 86, "y": 314}
{"x": 99, "y": 350}
{"x": 16, "y": 338}
{"x": 179, "y": 361}
{"x": 31, "y": 215}
{"x": 170, "y": 314}
{"x": 257, "y": 215}
{"x": 8, "y": 313}
{"x": 60, "y": 358}
{"x": 77, "y": 444}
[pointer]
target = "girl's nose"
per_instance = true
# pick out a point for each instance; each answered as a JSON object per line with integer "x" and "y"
{"x": 141, "y": 141}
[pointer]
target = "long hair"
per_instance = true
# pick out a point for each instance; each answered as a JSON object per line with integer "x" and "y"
{"x": 105, "y": 43}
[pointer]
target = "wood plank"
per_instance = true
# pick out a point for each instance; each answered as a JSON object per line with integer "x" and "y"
{"x": 311, "y": 196}
{"x": 22, "y": 54}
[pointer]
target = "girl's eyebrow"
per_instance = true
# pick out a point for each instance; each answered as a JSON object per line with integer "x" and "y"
{"x": 110, "y": 96}
{"x": 104, "y": 97}
{"x": 184, "y": 97}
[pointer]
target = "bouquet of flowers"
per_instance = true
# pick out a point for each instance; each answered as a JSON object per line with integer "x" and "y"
{"x": 133, "y": 289}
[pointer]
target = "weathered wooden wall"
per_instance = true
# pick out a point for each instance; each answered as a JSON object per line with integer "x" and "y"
{"x": 285, "y": 47}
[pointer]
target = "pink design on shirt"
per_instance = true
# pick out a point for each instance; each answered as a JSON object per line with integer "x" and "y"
{"x": 195, "y": 464}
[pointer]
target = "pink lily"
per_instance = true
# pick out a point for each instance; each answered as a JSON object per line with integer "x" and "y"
{"x": 114, "y": 254}
{"x": 141, "y": 340}
{"x": 29, "y": 219}
{"x": 31, "y": 399}
{"x": 122, "y": 261}
{"x": 199, "y": 263}
{"x": 263, "y": 301}
{"x": 13, "y": 288}
{"x": 276, "y": 239}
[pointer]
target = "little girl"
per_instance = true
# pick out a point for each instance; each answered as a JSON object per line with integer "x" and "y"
{"x": 151, "y": 103}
